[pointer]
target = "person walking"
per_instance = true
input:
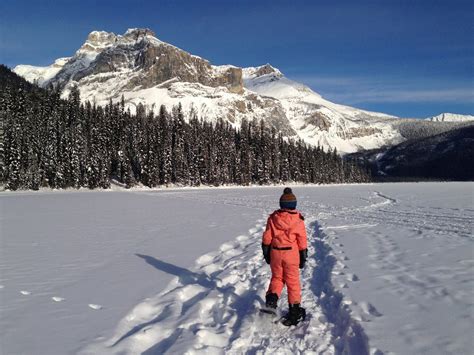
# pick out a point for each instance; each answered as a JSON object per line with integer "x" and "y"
{"x": 284, "y": 246}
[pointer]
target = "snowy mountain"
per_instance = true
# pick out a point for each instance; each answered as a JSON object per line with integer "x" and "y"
{"x": 148, "y": 71}
{"x": 451, "y": 117}
{"x": 319, "y": 121}
{"x": 41, "y": 75}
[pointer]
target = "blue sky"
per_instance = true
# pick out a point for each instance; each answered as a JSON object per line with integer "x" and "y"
{"x": 408, "y": 58}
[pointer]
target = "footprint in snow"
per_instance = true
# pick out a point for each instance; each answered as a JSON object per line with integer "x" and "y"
{"x": 95, "y": 307}
{"x": 57, "y": 299}
{"x": 369, "y": 308}
{"x": 242, "y": 238}
{"x": 25, "y": 293}
{"x": 353, "y": 277}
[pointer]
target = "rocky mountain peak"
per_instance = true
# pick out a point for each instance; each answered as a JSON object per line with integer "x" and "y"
{"x": 267, "y": 69}
{"x": 97, "y": 41}
{"x": 138, "y": 59}
{"x": 98, "y": 37}
{"x": 138, "y": 33}
{"x": 255, "y": 72}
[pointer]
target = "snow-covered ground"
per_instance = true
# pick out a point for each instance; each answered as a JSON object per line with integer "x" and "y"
{"x": 170, "y": 271}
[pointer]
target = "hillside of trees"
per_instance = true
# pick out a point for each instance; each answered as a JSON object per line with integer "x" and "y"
{"x": 51, "y": 142}
{"x": 419, "y": 129}
{"x": 445, "y": 156}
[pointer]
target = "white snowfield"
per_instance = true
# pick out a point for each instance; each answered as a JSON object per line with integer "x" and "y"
{"x": 390, "y": 271}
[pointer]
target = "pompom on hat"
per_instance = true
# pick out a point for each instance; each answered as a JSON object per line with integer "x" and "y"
{"x": 288, "y": 200}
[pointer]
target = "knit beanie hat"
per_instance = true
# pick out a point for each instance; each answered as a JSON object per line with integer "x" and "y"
{"x": 288, "y": 200}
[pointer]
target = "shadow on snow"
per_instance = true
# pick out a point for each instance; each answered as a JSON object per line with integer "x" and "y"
{"x": 348, "y": 335}
{"x": 239, "y": 304}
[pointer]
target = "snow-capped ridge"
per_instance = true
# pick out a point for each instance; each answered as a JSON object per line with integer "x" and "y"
{"x": 96, "y": 42}
{"x": 60, "y": 62}
{"x": 254, "y": 72}
{"x": 139, "y": 32}
{"x": 40, "y": 75}
{"x": 274, "y": 84}
{"x": 450, "y": 117}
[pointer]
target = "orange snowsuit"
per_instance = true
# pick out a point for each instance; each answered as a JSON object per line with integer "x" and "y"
{"x": 286, "y": 233}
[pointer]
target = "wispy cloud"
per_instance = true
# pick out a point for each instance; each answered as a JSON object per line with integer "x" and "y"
{"x": 412, "y": 95}
{"x": 358, "y": 90}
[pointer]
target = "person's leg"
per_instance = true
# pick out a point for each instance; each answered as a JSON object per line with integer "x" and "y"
{"x": 276, "y": 283}
{"x": 291, "y": 276}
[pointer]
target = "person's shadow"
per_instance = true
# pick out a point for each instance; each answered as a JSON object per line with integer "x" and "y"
{"x": 187, "y": 277}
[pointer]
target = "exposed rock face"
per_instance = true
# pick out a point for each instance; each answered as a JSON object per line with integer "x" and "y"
{"x": 319, "y": 120}
{"x": 232, "y": 79}
{"x": 266, "y": 69}
{"x": 152, "y": 61}
{"x": 137, "y": 33}
{"x": 357, "y": 132}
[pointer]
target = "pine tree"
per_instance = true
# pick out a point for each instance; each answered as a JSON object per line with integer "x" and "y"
{"x": 264, "y": 154}
{"x": 165, "y": 147}
{"x": 245, "y": 155}
{"x": 14, "y": 141}
{"x": 193, "y": 152}
{"x": 179, "y": 170}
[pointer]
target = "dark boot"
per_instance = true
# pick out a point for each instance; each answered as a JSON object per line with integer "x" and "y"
{"x": 295, "y": 315}
{"x": 271, "y": 300}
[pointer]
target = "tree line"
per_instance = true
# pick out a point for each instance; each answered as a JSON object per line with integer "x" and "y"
{"x": 63, "y": 143}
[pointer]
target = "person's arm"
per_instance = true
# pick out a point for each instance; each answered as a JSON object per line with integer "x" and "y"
{"x": 267, "y": 240}
{"x": 302, "y": 242}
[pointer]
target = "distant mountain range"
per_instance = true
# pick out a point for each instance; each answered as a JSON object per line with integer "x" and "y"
{"x": 149, "y": 71}
{"x": 451, "y": 117}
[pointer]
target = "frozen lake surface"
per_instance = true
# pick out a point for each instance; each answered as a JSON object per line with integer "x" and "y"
{"x": 390, "y": 271}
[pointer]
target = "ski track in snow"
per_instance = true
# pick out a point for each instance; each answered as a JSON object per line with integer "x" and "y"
{"x": 410, "y": 284}
{"x": 215, "y": 308}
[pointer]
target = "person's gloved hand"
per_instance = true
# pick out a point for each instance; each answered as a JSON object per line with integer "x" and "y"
{"x": 303, "y": 257}
{"x": 266, "y": 252}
